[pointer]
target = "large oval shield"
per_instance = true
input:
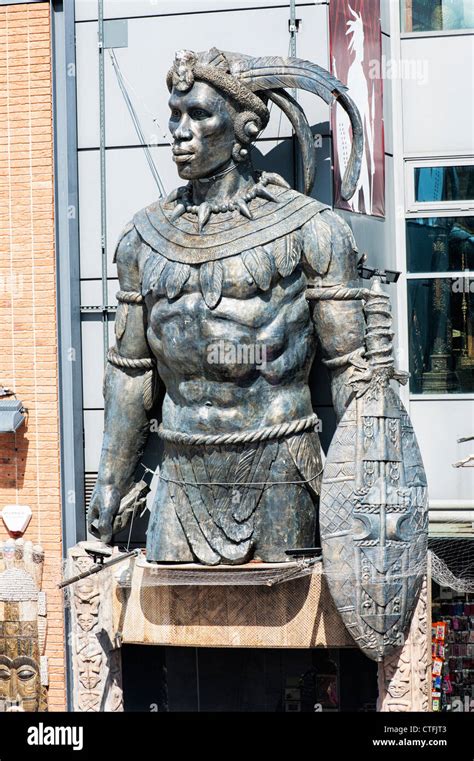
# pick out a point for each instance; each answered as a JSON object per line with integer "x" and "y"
{"x": 374, "y": 520}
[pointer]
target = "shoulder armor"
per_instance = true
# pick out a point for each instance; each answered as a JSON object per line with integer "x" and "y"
{"x": 128, "y": 228}
{"x": 323, "y": 235}
{"x": 343, "y": 236}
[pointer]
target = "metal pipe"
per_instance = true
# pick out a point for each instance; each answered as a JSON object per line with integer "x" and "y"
{"x": 295, "y": 151}
{"x": 103, "y": 177}
{"x": 98, "y": 567}
{"x": 293, "y": 30}
{"x": 68, "y": 289}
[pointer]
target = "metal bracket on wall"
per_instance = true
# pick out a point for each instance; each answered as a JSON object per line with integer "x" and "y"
{"x": 99, "y": 308}
{"x": 293, "y": 28}
{"x": 294, "y": 25}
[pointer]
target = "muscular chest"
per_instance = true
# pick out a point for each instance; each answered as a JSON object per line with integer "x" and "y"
{"x": 228, "y": 291}
{"x": 243, "y": 302}
{"x": 170, "y": 281}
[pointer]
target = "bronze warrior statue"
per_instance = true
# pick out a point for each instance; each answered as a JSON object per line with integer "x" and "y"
{"x": 226, "y": 286}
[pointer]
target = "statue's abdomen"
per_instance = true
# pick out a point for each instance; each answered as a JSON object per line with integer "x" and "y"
{"x": 253, "y": 350}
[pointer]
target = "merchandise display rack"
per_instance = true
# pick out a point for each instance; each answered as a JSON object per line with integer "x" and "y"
{"x": 453, "y": 654}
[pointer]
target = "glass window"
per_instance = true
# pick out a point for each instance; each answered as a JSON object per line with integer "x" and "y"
{"x": 444, "y": 183}
{"x": 436, "y": 15}
{"x": 440, "y": 244}
{"x": 441, "y": 327}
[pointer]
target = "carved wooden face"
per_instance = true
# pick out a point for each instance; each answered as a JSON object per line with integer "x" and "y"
{"x": 202, "y": 126}
{"x": 19, "y": 683}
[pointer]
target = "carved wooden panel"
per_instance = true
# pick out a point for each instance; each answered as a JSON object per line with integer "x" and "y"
{"x": 96, "y": 662}
{"x": 23, "y": 664}
{"x": 404, "y": 676}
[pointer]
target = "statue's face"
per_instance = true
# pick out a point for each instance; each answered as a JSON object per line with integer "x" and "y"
{"x": 202, "y": 125}
{"x": 87, "y": 620}
{"x": 83, "y": 563}
{"x": 19, "y": 683}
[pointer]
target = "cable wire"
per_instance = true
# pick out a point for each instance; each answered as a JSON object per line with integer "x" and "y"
{"x": 136, "y": 122}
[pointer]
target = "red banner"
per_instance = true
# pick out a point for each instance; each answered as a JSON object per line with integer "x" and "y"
{"x": 356, "y": 60}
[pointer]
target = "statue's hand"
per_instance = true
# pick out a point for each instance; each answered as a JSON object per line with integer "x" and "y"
{"x": 104, "y": 506}
{"x": 360, "y": 379}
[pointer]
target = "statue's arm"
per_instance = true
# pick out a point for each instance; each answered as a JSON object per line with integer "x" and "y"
{"x": 126, "y": 424}
{"x": 331, "y": 257}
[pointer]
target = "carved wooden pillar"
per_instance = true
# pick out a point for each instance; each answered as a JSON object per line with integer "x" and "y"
{"x": 404, "y": 678}
{"x": 97, "y": 672}
{"x": 22, "y": 627}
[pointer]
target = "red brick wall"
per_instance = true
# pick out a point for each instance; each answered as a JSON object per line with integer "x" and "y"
{"x": 29, "y": 459}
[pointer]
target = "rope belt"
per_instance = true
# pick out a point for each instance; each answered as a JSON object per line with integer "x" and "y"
{"x": 244, "y": 437}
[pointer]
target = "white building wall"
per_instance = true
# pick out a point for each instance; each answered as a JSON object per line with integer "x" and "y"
{"x": 435, "y": 112}
{"x": 438, "y": 108}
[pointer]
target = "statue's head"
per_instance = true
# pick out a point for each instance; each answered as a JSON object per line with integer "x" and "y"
{"x": 20, "y": 686}
{"x": 219, "y": 102}
{"x": 213, "y": 118}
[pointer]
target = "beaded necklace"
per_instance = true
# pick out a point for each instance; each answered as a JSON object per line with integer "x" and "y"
{"x": 238, "y": 202}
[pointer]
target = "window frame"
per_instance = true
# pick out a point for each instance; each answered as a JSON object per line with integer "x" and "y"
{"x": 428, "y": 32}
{"x": 414, "y": 208}
{"x": 431, "y": 209}
{"x": 446, "y": 395}
{"x": 435, "y": 274}
{"x": 435, "y": 33}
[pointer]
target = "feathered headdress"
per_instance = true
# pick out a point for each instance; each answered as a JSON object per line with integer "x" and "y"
{"x": 251, "y": 82}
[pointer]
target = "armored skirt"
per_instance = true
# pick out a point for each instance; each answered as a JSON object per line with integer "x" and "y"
{"x": 234, "y": 502}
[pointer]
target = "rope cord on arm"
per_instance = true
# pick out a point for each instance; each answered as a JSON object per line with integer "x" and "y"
{"x": 337, "y": 293}
{"x": 129, "y": 297}
{"x": 147, "y": 363}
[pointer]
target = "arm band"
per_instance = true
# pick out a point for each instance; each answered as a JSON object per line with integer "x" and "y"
{"x": 147, "y": 363}
{"x": 337, "y": 293}
{"x": 129, "y": 297}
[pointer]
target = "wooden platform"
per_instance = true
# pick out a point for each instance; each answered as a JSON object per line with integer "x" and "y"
{"x": 134, "y": 602}
{"x": 150, "y": 607}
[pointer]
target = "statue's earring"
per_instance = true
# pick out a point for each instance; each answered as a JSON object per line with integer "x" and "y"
{"x": 247, "y": 125}
{"x": 239, "y": 153}
{"x": 252, "y": 129}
